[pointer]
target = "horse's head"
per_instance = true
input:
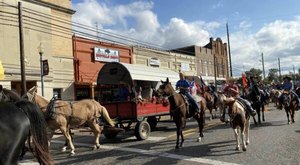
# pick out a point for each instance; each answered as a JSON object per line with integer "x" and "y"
{"x": 286, "y": 99}
{"x": 3, "y": 96}
{"x": 165, "y": 88}
{"x": 30, "y": 94}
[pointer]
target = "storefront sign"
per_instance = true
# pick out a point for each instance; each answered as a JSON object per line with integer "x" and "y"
{"x": 154, "y": 61}
{"x": 185, "y": 67}
{"x": 106, "y": 55}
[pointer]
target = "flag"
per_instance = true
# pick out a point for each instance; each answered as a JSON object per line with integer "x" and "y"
{"x": 244, "y": 80}
{"x": 203, "y": 85}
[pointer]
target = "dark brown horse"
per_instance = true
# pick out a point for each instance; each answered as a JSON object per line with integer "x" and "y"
{"x": 211, "y": 104}
{"x": 239, "y": 121}
{"x": 289, "y": 103}
{"x": 179, "y": 111}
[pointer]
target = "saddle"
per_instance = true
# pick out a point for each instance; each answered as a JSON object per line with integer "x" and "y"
{"x": 188, "y": 104}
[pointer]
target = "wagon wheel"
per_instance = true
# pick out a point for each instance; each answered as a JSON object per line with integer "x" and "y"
{"x": 152, "y": 122}
{"x": 142, "y": 130}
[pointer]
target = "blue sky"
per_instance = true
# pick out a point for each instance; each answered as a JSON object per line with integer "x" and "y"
{"x": 271, "y": 27}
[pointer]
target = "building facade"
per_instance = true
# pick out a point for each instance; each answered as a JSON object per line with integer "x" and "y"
{"x": 46, "y": 22}
{"x": 89, "y": 57}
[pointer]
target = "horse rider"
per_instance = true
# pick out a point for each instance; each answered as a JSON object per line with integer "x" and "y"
{"x": 287, "y": 85}
{"x": 232, "y": 90}
{"x": 184, "y": 88}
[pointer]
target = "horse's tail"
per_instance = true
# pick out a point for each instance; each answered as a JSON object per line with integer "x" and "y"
{"x": 106, "y": 116}
{"x": 104, "y": 113}
{"x": 38, "y": 131}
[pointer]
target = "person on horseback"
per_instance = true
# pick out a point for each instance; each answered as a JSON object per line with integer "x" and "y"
{"x": 287, "y": 85}
{"x": 183, "y": 85}
{"x": 232, "y": 90}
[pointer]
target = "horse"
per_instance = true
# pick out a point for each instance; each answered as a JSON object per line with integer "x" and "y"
{"x": 179, "y": 111}
{"x": 239, "y": 120}
{"x": 221, "y": 106}
{"x": 274, "y": 94}
{"x": 257, "y": 99}
{"x": 65, "y": 115}
{"x": 289, "y": 103}
{"x": 18, "y": 122}
{"x": 210, "y": 100}
{"x": 211, "y": 103}
{"x": 7, "y": 95}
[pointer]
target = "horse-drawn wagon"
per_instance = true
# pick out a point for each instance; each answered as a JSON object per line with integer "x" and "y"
{"x": 128, "y": 93}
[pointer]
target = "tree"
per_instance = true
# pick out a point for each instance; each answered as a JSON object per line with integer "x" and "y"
{"x": 273, "y": 75}
{"x": 254, "y": 72}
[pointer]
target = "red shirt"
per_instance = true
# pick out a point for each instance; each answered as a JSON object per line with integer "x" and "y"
{"x": 231, "y": 90}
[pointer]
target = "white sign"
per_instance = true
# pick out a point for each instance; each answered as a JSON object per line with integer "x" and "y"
{"x": 185, "y": 67}
{"x": 106, "y": 55}
{"x": 154, "y": 61}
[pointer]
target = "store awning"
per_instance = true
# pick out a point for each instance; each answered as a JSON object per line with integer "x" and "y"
{"x": 1, "y": 71}
{"x": 117, "y": 73}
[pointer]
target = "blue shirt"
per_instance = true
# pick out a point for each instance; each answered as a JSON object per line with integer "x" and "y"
{"x": 287, "y": 86}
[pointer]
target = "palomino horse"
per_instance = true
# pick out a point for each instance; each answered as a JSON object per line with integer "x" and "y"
{"x": 289, "y": 103}
{"x": 239, "y": 121}
{"x": 179, "y": 111}
{"x": 66, "y": 115}
{"x": 19, "y": 121}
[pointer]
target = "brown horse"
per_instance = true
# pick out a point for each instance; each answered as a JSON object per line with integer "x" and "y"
{"x": 239, "y": 121}
{"x": 211, "y": 104}
{"x": 289, "y": 103}
{"x": 179, "y": 111}
{"x": 66, "y": 115}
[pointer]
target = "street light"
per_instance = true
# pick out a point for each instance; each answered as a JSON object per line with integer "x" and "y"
{"x": 41, "y": 51}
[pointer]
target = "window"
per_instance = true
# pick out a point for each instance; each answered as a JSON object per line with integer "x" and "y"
{"x": 57, "y": 91}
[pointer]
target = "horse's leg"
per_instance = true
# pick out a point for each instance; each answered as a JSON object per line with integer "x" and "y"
{"x": 243, "y": 137}
{"x": 288, "y": 116}
{"x": 178, "y": 128}
{"x": 200, "y": 120}
{"x": 293, "y": 114}
{"x": 258, "y": 114}
{"x": 254, "y": 120}
{"x": 97, "y": 131}
{"x": 247, "y": 129}
{"x": 182, "y": 125}
{"x": 65, "y": 132}
{"x": 236, "y": 134}
{"x": 50, "y": 134}
{"x": 263, "y": 112}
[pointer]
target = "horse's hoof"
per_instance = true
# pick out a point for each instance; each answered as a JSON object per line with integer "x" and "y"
{"x": 199, "y": 139}
{"x": 244, "y": 149}
{"x": 237, "y": 148}
{"x": 176, "y": 147}
{"x": 247, "y": 143}
{"x": 72, "y": 153}
{"x": 64, "y": 149}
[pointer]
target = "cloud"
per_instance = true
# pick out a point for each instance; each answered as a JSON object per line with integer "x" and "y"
{"x": 136, "y": 20}
{"x": 277, "y": 39}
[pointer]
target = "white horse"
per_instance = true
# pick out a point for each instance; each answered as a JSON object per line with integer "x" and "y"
{"x": 239, "y": 121}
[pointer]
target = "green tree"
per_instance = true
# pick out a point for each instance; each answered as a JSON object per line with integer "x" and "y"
{"x": 254, "y": 72}
{"x": 273, "y": 75}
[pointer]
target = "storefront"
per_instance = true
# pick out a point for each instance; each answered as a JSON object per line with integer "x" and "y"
{"x": 89, "y": 58}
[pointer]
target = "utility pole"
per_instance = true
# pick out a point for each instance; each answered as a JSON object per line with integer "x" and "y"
{"x": 294, "y": 75}
{"x": 215, "y": 69}
{"x": 22, "y": 56}
{"x": 263, "y": 64}
{"x": 279, "y": 70}
{"x": 229, "y": 53}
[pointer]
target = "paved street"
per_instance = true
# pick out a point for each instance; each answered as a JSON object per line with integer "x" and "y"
{"x": 273, "y": 142}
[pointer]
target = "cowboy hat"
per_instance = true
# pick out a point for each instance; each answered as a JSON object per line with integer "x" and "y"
{"x": 287, "y": 78}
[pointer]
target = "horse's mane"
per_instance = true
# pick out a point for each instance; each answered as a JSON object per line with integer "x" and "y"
{"x": 14, "y": 95}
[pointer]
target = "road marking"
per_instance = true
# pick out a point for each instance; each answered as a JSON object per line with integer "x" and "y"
{"x": 155, "y": 153}
{"x": 27, "y": 162}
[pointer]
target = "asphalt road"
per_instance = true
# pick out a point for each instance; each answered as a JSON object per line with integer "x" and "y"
{"x": 272, "y": 142}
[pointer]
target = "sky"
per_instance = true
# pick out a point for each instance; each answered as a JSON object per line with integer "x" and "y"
{"x": 256, "y": 27}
